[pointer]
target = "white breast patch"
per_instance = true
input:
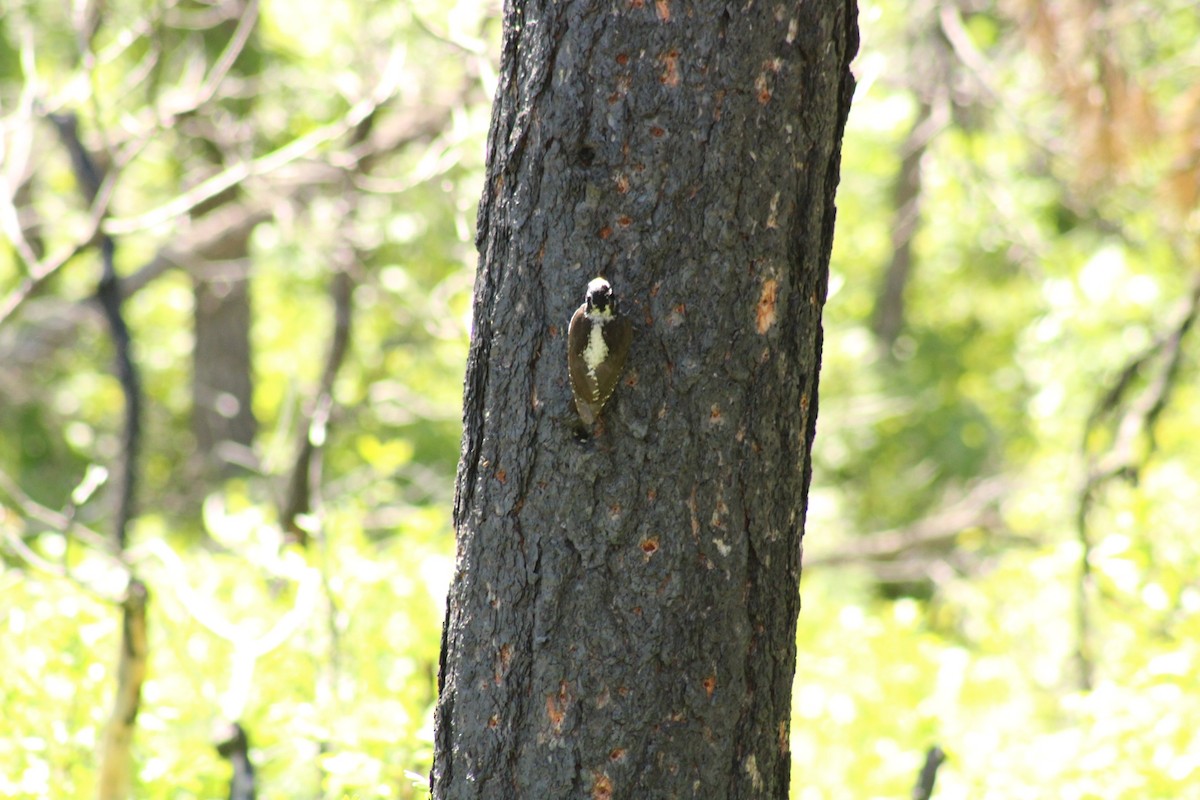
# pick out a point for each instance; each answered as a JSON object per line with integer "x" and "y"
{"x": 596, "y": 350}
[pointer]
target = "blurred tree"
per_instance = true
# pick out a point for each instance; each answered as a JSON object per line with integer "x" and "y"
{"x": 622, "y": 620}
{"x": 222, "y": 378}
{"x": 329, "y": 155}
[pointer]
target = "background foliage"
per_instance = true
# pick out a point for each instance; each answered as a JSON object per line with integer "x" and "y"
{"x": 1002, "y": 550}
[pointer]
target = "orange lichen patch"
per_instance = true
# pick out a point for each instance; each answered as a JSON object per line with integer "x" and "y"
{"x": 710, "y": 685}
{"x": 714, "y": 414}
{"x": 616, "y": 754}
{"x": 762, "y": 90}
{"x": 765, "y": 313}
{"x": 605, "y": 232}
{"x": 650, "y": 545}
{"x": 624, "y": 220}
{"x": 657, "y": 132}
{"x": 664, "y": 10}
{"x": 636, "y": 3}
{"x": 602, "y": 788}
{"x": 554, "y": 712}
{"x": 556, "y": 706}
{"x": 622, "y": 58}
{"x": 622, "y": 182}
{"x": 502, "y": 476}
{"x": 670, "y": 72}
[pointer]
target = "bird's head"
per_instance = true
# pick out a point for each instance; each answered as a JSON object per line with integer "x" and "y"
{"x": 600, "y": 299}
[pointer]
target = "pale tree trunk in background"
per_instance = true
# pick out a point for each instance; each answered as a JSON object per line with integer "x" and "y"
{"x": 622, "y": 619}
{"x": 223, "y": 419}
{"x": 222, "y": 388}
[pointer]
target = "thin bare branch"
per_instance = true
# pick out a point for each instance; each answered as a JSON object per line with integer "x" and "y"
{"x": 978, "y": 508}
{"x": 40, "y": 272}
{"x": 233, "y": 49}
{"x": 276, "y": 159}
{"x": 1132, "y": 445}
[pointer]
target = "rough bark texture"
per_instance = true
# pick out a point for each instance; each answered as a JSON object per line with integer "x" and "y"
{"x": 622, "y": 620}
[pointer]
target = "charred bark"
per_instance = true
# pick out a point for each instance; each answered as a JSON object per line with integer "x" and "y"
{"x": 622, "y": 619}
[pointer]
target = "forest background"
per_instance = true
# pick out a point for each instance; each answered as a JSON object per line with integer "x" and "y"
{"x": 1003, "y": 540}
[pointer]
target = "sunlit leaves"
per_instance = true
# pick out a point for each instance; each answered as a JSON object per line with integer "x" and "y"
{"x": 1047, "y": 257}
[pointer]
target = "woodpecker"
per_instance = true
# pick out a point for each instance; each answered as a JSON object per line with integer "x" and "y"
{"x": 598, "y": 340}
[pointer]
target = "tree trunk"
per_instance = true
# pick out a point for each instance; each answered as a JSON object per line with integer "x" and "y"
{"x": 223, "y": 419}
{"x": 622, "y": 620}
{"x": 222, "y": 388}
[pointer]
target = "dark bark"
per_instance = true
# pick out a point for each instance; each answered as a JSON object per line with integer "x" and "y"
{"x": 906, "y": 200}
{"x": 234, "y": 747}
{"x": 90, "y": 176}
{"x": 930, "y": 75}
{"x": 934, "y": 758}
{"x": 306, "y": 473}
{"x": 622, "y": 619}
